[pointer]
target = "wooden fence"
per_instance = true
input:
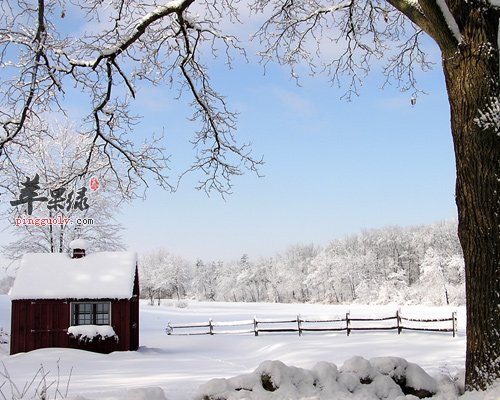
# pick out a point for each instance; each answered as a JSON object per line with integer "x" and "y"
{"x": 301, "y": 325}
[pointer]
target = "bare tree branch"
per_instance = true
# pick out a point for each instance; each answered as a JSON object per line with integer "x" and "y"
{"x": 133, "y": 41}
{"x": 355, "y": 34}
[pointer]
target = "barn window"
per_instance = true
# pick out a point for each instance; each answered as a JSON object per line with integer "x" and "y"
{"x": 90, "y": 313}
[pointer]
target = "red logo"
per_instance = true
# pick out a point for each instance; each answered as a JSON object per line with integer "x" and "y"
{"x": 94, "y": 184}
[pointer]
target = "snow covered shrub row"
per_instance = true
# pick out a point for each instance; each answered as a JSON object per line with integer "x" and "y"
{"x": 381, "y": 378}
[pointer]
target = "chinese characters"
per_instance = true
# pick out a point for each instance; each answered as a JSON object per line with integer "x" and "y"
{"x": 59, "y": 199}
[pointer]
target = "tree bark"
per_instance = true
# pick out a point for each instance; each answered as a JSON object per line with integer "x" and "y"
{"x": 472, "y": 79}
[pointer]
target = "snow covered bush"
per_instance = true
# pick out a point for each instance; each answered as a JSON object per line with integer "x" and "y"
{"x": 88, "y": 333}
{"x": 382, "y": 378}
{"x": 182, "y": 304}
{"x": 4, "y": 342}
{"x": 4, "y": 336}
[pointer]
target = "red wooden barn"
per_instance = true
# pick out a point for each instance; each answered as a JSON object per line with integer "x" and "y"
{"x": 76, "y": 300}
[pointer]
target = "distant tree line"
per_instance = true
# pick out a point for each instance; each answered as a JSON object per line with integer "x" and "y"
{"x": 419, "y": 264}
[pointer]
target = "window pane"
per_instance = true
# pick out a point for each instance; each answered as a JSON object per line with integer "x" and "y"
{"x": 79, "y": 317}
{"x": 102, "y": 314}
{"x": 85, "y": 308}
{"x": 84, "y": 319}
{"x": 102, "y": 319}
{"x": 102, "y": 307}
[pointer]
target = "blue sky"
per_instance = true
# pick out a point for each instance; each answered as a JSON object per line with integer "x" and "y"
{"x": 332, "y": 167}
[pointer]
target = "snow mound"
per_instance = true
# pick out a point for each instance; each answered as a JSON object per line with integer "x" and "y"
{"x": 383, "y": 378}
{"x": 406, "y": 374}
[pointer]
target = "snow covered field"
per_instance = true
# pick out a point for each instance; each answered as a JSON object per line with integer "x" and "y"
{"x": 180, "y": 364}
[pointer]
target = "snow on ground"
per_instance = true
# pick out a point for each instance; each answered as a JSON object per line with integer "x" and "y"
{"x": 181, "y": 364}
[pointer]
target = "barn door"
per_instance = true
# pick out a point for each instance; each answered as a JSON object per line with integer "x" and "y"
{"x": 49, "y": 322}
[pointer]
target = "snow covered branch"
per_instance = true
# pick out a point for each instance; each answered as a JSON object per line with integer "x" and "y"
{"x": 450, "y": 20}
{"x": 126, "y": 42}
{"x": 218, "y": 122}
{"x": 36, "y": 79}
{"x": 352, "y": 34}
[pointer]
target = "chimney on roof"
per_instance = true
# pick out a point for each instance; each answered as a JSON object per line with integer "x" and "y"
{"x": 78, "y": 247}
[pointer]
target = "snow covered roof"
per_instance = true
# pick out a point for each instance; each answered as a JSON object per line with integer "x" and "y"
{"x": 57, "y": 276}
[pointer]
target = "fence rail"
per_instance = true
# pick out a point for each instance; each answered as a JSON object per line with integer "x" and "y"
{"x": 300, "y": 325}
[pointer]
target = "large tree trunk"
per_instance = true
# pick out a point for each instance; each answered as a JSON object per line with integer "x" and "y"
{"x": 472, "y": 79}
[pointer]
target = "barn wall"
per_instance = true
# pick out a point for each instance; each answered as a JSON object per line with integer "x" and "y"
{"x": 44, "y": 323}
{"x": 120, "y": 322}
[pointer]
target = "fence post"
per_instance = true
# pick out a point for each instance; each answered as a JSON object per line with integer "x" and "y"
{"x": 398, "y": 319}
{"x": 255, "y": 328}
{"x": 210, "y": 327}
{"x": 454, "y": 321}
{"x": 298, "y": 325}
{"x": 347, "y": 323}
